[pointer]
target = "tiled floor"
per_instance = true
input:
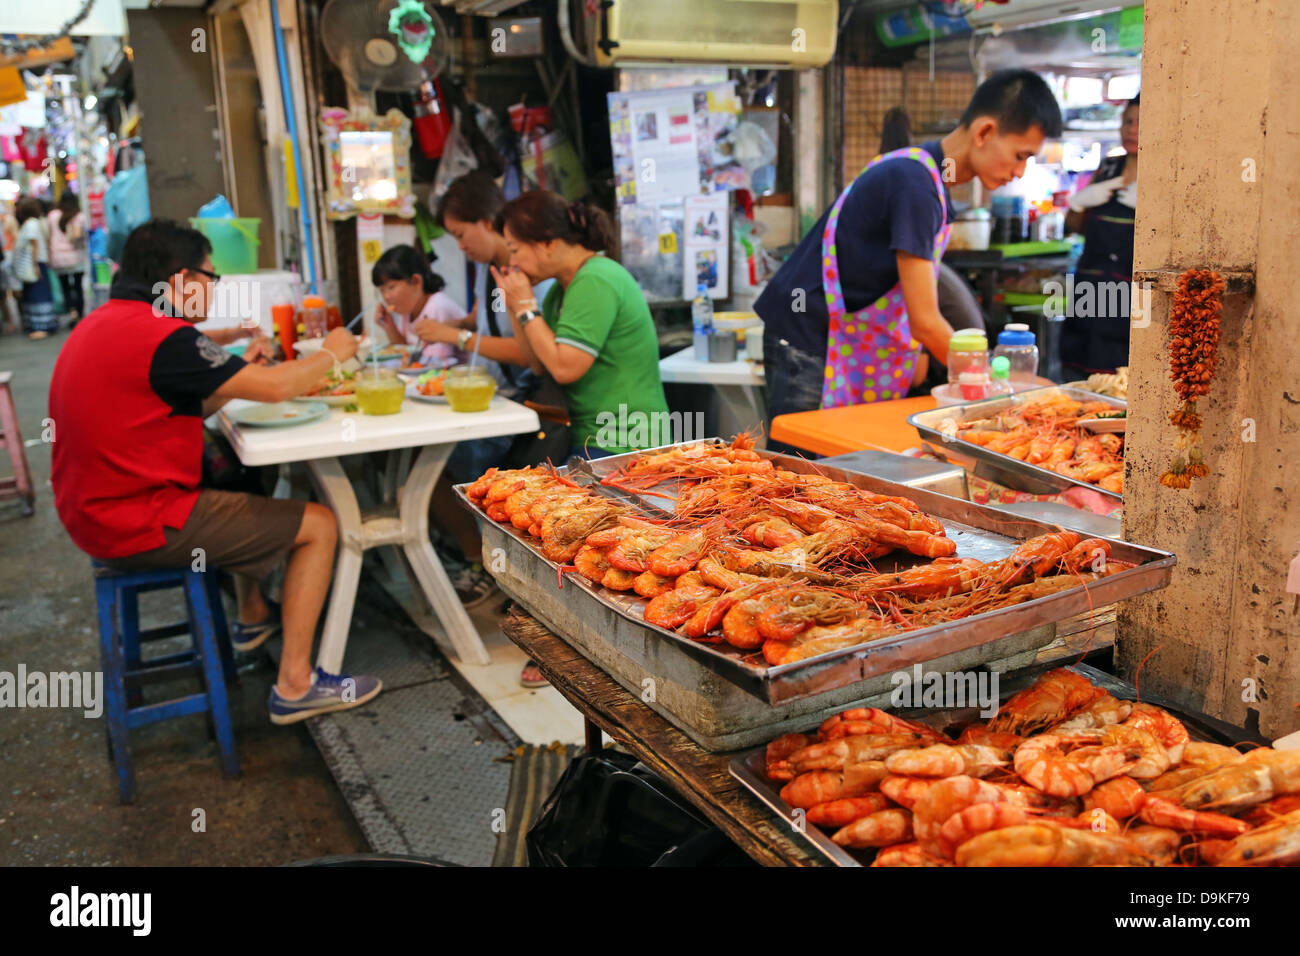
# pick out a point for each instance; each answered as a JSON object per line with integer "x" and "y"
{"x": 538, "y": 716}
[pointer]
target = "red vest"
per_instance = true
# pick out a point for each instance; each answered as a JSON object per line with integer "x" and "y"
{"x": 124, "y": 466}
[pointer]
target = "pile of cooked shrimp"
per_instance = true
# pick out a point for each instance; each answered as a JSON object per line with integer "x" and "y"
{"x": 779, "y": 564}
{"x": 1045, "y": 433}
{"x": 1064, "y": 775}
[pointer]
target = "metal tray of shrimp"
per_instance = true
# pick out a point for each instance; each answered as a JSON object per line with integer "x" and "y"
{"x": 938, "y": 428}
{"x": 748, "y": 767}
{"x": 726, "y": 699}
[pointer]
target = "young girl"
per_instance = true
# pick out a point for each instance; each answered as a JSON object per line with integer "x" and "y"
{"x": 413, "y": 302}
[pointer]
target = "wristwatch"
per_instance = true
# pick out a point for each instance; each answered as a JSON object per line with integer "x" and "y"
{"x": 527, "y": 316}
{"x": 462, "y": 339}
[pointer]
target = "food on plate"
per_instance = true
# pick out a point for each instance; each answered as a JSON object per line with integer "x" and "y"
{"x": 432, "y": 383}
{"x": 1113, "y": 384}
{"x": 335, "y": 383}
{"x": 1062, "y": 792}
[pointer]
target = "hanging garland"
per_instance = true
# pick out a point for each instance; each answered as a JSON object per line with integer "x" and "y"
{"x": 1193, "y": 357}
{"x": 27, "y": 44}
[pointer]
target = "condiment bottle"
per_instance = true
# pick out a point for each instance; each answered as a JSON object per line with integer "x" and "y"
{"x": 967, "y": 349}
{"x": 1016, "y": 343}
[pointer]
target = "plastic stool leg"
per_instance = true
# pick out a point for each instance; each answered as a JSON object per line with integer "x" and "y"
{"x": 212, "y": 579}
{"x": 111, "y": 659}
{"x": 206, "y": 640}
{"x": 128, "y": 608}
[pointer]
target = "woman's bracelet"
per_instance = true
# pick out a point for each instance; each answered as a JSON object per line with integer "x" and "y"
{"x": 330, "y": 351}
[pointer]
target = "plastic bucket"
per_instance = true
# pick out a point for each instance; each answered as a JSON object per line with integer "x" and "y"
{"x": 234, "y": 243}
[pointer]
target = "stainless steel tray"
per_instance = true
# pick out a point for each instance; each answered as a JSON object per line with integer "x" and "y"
{"x": 993, "y": 465}
{"x": 749, "y": 767}
{"x": 980, "y": 532}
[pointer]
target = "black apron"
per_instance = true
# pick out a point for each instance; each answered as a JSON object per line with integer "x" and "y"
{"x": 1094, "y": 338}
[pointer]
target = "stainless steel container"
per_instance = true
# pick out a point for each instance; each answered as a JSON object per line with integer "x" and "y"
{"x": 938, "y": 428}
{"x": 722, "y": 346}
{"x": 722, "y": 698}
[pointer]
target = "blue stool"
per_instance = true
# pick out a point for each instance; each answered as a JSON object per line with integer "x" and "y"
{"x": 120, "y": 641}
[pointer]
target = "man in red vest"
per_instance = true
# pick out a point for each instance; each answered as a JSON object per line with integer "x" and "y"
{"x": 130, "y": 390}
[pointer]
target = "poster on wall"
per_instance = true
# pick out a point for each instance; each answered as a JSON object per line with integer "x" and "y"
{"x": 672, "y": 147}
{"x": 674, "y": 143}
{"x": 707, "y": 237}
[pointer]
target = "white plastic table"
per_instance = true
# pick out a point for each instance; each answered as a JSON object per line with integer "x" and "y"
{"x": 402, "y": 520}
{"x": 739, "y": 384}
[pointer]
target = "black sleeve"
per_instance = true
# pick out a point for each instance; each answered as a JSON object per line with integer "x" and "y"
{"x": 187, "y": 367}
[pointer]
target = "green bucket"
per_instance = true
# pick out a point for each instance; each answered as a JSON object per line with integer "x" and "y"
{"x": 234, "y": 243}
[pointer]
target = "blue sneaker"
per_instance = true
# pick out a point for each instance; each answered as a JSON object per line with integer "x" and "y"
{"x": 246, "y": 637}
{"x": 328, "y": 693}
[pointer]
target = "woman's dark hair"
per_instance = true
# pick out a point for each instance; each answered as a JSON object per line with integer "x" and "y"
{"x": 27, "y": 207}
{"x": 403, "y": 262}
{"x": 1019, "y": 100}
{"x": 541, "y": 215}
{"x": 895, "y": 130}
{"x": 68, "y": 208}
{"x": 1132, "y": 103}
{"x": 474, "y": 197}
{"x": 160, "y": 248}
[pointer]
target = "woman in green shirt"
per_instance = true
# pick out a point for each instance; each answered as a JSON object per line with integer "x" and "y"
{"x": 596, "y": 337}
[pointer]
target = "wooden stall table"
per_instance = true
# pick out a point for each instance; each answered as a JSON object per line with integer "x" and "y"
{"x": 703, "y": 778}
{"x": 879, "y": 426}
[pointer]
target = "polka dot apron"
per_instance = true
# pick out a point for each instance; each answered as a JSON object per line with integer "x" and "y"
{"x": 870, "y": 354}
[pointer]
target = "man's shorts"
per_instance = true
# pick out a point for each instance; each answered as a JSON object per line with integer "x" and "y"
{"x": 236, "y": 532}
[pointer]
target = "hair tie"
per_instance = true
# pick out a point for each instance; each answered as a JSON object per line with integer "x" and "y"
{"x": 577, "y": 217}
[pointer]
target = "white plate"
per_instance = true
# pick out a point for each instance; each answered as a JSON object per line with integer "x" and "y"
{"x": 279, "y": 414}
{"x": 335, "y": 401}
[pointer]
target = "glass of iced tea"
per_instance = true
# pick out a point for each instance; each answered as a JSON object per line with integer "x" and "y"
{"x": 469, "y": 388}
{"x": 379, "y": 391}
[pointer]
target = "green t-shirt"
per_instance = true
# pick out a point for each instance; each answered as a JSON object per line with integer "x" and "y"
{"x": 619, "y": 405}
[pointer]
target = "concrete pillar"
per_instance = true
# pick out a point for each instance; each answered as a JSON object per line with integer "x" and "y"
{"x": 1220, "y": 189}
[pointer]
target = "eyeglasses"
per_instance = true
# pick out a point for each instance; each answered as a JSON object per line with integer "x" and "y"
{"x": 214, "y": 276}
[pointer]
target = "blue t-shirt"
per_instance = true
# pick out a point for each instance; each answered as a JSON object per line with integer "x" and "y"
{"x": 893, "y": 207}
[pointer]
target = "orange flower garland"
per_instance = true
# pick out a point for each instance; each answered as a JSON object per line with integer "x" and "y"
{"x": 1193, "y": 358}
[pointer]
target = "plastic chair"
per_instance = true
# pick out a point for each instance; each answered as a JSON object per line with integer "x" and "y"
{"x": 20, "y": 484}
{"x": 125, "y": 669}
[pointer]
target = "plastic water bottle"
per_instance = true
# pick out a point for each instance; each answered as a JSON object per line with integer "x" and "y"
{"x": 1016, "y": 344}
{"x": 702, "y": 321}
{"x": 1001, "y": 385}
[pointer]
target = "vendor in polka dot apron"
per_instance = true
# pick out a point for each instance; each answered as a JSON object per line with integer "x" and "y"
{"x": 847, "y": 315}
{"x": 870, "y": 354}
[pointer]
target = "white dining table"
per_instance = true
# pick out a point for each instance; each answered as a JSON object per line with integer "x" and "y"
{"x": 739, "y": 385}
{"x": 401, "y": 518}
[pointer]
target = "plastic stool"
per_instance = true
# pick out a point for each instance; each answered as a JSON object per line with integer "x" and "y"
{"x": 20, "y": 485}
{"x": 120, "y": 642}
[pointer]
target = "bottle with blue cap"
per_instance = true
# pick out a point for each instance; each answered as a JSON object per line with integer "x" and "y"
{"x": 1017, "y": 344}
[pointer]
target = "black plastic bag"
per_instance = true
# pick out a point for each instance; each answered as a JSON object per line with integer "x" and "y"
{"x": 611, "y": 810}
